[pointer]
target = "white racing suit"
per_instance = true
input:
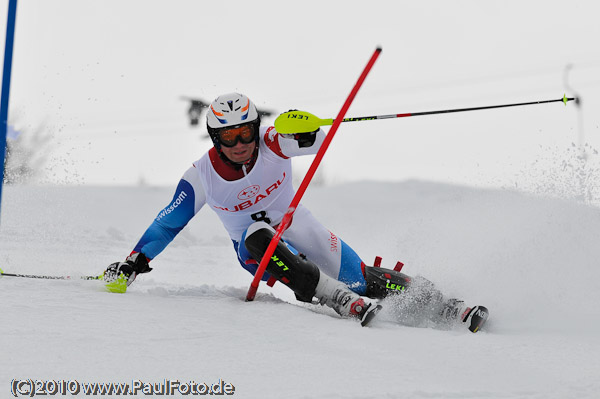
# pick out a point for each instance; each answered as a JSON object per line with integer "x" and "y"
{"x": 261, "y": 194}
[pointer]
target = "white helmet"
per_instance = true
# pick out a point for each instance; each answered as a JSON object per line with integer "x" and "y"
{"x": 228, "y": 111}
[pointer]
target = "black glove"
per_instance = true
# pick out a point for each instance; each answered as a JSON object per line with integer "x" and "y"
{"x": 135, "y": 264}
{"x": 304, "y": 139}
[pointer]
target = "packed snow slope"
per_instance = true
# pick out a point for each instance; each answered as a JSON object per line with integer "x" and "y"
{"x": 533, "y": 261}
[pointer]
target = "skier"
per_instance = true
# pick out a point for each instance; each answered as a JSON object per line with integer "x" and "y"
{"x": 246, "y": 178}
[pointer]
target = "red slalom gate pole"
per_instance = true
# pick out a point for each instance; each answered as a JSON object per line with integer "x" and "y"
{"x": 285, "y": 222}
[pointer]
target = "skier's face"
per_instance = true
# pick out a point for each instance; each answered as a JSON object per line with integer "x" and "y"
{"x": 240, "y": 152}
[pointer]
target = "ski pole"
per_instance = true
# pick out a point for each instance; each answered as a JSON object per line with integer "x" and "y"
{"x": 300, "y": 121}
{"x": 306, "y": 181}
{"x": 2, "y": 274}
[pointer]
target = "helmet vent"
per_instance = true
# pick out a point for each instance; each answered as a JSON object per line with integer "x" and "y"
{"x": 231, "y": 109}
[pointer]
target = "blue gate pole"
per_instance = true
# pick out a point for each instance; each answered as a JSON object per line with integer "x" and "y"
{"x": 8, "y": 53}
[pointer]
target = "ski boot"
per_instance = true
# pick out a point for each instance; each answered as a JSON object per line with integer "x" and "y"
{"x": 305, "y": 279}
{"x": 416, "y": 299}
{"x": 455, "y": 311}
{"x": 345, "y": 302}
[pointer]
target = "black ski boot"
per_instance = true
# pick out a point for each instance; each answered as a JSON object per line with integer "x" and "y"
{"x": 455, "y": 311}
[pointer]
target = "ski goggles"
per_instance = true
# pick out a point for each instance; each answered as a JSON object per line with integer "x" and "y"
{"x": 230, "y": 137}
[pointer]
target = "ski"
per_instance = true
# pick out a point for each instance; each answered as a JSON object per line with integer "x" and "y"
{"x": 370, "y": 315}
{"x": 454, "y": 312}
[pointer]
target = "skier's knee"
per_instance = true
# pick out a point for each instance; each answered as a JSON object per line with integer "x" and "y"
{"x": 257, "y": 238}
{"x": 256, "y": 226}
{"x": 286, "y": 264}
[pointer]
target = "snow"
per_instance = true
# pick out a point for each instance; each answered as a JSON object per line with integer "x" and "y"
{"x": 532, "y": 260}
